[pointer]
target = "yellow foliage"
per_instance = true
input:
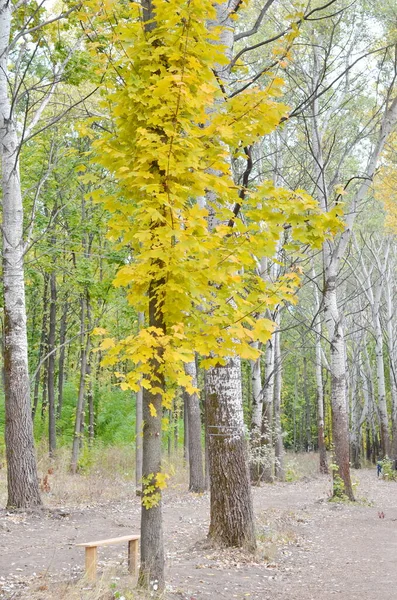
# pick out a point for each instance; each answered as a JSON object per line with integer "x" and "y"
{"x": 169, "y": 145}
{"x": 386, "y": 186}
{"x": 99, "y": 331}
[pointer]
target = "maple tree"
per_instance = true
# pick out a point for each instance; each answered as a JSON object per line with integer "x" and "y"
{"x": 169, "y": 145}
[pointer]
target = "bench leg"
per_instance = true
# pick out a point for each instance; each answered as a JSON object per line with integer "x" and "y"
{"x": 91, "y": 563}
{"x": 133, "y": 556}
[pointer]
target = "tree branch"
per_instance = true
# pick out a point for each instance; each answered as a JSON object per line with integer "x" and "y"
{"x": 259, "y": 20}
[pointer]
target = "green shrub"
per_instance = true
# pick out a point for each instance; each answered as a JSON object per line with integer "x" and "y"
{"x": 388, "y": 470}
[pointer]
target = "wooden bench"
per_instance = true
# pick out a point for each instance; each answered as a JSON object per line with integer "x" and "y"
{"x": 91, "y": 553}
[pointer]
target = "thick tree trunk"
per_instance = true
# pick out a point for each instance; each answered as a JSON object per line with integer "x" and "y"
{"x": 51, "y": 366}
{"x": 231, "y": 512}
{"x": 340, "y": 422}
{"x": 23, "y": 488}
{"x": 151, "y": 574}
{"x": 195, "y": 452}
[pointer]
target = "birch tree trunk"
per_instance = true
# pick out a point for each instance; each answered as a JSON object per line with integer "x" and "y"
{"x": 319, "y": 382}
{"x": 340, "y": 422}
{"x": 380, "y": 373}
{"x": 23, "y": 487}
{"x": 355, "y": 411}
{"x": 231, "y": 510}
{"x": 308, "y": 420}
{"x": 279, "y": 470}
{"x": 232, "y": 520}
{"x": 333, "y": 253}
{"x": 267, "y": 415}
{"x": 372, "y": 285}
{"x": 256, "y": 420}
{"x": 391, "y": 343}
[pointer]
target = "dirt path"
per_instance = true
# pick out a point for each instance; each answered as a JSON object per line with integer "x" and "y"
{"x": 308, "y": 548}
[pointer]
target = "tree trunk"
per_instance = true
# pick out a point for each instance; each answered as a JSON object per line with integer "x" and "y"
{"x": 355, "y": 412}
{"x": 267, "y": 416}
{"x": 391, "y": 343}
{"x": 308, "y": 419}
{"x": 151, "y": 574}
{"x": 176, "y": 424}
{"x": 23, "y": 487}
{"x": 51, "y": 367}
{"x": 85, "y": 348}
{"x": 340, "y": 423}
{"x": 185, "y": 429}
{"x": 138, "y": 442}
{"x": 61, "y": 362}
{"x": 90, "y": 402}
{"x": 195, "y": 453}
{"x": 206, "y": 438}
{"x": 319, "y": 383}
{"x": 279, "y": 445}
{"x": 44, "y": 384}
{"x": 256, "y": 466}
{"x": 231, "y": 512}
{"x": 41, "y": 347}
{"x": 138, "y": 428}
{"x": 380, "y": 373}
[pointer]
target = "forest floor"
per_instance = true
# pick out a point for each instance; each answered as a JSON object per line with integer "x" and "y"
{"x": 308, "y": 547}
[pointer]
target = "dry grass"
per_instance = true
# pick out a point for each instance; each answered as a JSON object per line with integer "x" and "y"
{"x": 302, "y": 464}
{"x": 106, "y": 474}
{"x": 111, "y": 585}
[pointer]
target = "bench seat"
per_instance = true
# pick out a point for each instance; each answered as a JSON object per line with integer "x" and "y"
{"x": 91, "y": 553}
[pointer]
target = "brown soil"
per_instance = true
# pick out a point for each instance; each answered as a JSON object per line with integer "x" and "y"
{"x": 308, "y": 548}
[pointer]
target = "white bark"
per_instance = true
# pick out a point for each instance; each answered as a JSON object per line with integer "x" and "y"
{"x": 372, "y": 282}
{"x": 333, "y": 252}
{"x": 279, "y": 470}
{"x": 23, "y": 490}
{"x": 319, "y": 378}
{"x": 391, "y": 343}
{"x": 227, "y": 448}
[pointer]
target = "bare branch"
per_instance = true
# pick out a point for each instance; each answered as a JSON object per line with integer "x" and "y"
{"x": 24, "y": 32}
{"x": 259, "y": 20}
